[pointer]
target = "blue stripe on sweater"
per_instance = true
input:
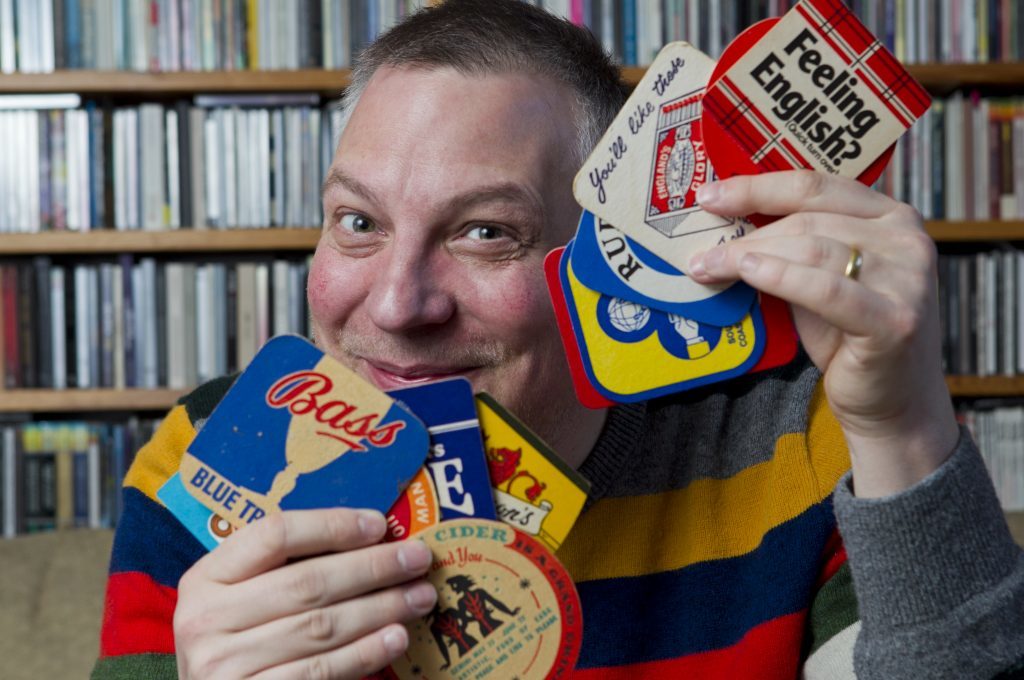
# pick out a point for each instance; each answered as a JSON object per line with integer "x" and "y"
{"x": 704, "y": 606}
{"x": 150, "y": 540}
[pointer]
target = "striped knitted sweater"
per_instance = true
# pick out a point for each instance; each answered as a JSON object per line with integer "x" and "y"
{"x": 709, "y": 549}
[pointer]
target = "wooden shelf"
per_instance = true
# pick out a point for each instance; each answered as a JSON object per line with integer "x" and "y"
{"x": 993, "y": 230}
{"x": 81, "y": 400}
{"x": 989, "y": 386}
{"x": 105, "y": 241}
{"x": 330, "y": 83}
{"x": 170, "y": 241}
{"x": 936, "y": 78}
{"x": 71, "y": 400}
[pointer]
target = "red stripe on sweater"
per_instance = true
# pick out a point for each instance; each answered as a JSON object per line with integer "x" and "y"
{"x": 835, "y": 557}
{"x": 138, "y": 616}
{"x": 770, "y": 651}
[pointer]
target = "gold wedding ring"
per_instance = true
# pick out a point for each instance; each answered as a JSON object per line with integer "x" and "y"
{"x": 854, "y": 264}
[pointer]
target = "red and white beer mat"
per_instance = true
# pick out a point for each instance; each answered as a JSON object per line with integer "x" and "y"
{"x": 814, "y": 89}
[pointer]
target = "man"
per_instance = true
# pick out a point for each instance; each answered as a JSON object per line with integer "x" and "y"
{"x": 710, "y": 546}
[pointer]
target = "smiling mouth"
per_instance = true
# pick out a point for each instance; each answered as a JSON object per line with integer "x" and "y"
{"x": 389, "y": 376}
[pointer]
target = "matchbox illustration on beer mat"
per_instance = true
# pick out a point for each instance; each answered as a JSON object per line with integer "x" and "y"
{"x": 506, "y": 608}
{"x": 298, "y": 430}
{"x": 644, "y": 174}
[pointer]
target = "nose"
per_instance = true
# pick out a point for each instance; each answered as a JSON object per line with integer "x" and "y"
{"x": 408, "y": 289}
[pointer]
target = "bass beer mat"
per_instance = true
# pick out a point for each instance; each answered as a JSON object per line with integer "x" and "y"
{"x": 415, "y": 510}
{"x": 644, "y": 174}
{"x": 631, "y": 352}
{"x": 815, "y": 90}
{"x": 298, "y": 430}
{"x": 608, "y": 261}
{"x": 208, "y": 528}
{"x": 534, "y": 490}
{"x": 456, "y": 460}
{"x": 506, "y": 608}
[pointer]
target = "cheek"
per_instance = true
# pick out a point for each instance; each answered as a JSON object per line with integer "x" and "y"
{"x": 518, "y": 304}
{"x": 330, "y": 290}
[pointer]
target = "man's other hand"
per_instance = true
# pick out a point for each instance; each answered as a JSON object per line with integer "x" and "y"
{"x": 301, "y": 594}
{"x": 875, "y": 336}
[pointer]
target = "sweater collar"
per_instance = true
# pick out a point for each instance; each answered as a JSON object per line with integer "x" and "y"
{"x": 616, "y": 444}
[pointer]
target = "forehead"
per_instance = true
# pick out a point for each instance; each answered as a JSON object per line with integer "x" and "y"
{"x": 497, "y": 126}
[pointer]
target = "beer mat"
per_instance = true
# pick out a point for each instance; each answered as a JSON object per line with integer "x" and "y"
{"x": 585, "y": 392}
{"x": 298, "y": 430}
{"x": 456, "y": 461}
{"x": 643, "y": 175}
{"x": 813, "y": 89}
{"x": 609, "y": 262}
{"x": 506, "y": 608}
{"x": 535, "y": 491}
{"x": 206, "y": 526}
{"x": 631, "y": 352}
{"x": 415, "y": 510}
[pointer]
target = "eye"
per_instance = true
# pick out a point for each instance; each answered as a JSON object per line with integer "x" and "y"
{"x": 485, "y": 232}
{"x": 357, "y": 224}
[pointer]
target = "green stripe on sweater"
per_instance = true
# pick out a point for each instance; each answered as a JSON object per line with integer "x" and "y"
{"x": 135, "y": 666}
{"x": 834, "y": 609}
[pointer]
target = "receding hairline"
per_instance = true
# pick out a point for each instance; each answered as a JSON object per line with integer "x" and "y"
{"x": 557, "y": 93}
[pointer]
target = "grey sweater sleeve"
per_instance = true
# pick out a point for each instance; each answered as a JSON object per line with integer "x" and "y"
{"x": 939, "y": 579}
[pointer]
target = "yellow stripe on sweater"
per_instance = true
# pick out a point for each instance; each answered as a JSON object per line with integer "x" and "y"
{"x": 161, "y": 456}
{"x": 710, "y": 518}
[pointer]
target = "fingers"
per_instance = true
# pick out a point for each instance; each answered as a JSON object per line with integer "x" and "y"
{"x": 363, "y": 657}
{"x": 783, "y": 193}
{"x": 840, "y": 301}
{"x": 322, "y": 581}
{"x": 320, "y": 630}
{"x": 278, "y": 538}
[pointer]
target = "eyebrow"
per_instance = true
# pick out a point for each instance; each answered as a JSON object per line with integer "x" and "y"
{"x": 338, "y": 177}
{"x": 506, "y": 192}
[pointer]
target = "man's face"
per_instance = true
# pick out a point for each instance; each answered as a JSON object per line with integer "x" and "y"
{"x": 444, "y": 195}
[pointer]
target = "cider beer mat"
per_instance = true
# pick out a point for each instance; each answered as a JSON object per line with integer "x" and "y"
{"x": 608, "y": 261}
{"x": 506, "y": 608}
{"x": 644, "y": 174}
{"x": 456, "y": 461}
{"x": 535, "y": 491}
{"x": 813, "y": 89}
{"x": 298, "y": 430}
{"x": 631, "y": 352}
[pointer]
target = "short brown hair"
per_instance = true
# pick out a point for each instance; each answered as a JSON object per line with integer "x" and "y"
{"x": 479, "y": 37}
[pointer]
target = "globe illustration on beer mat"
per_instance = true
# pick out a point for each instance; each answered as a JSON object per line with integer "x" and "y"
{"x": 626, "y": 316}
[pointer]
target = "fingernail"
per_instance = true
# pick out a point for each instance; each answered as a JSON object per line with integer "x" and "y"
{"x": 749, "y": 263}
{"x": 697, "y": 265}
{"x": 708, "y": 193}
{"x": 371, "y": 523}
{"x": 714, "y": 258}
{"x": 396, "y": 640}
{"x": 421, "y": 597}
{"x": 414, "y": 556}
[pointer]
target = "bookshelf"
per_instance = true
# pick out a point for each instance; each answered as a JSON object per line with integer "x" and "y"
{"x": 111, "y": 88}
